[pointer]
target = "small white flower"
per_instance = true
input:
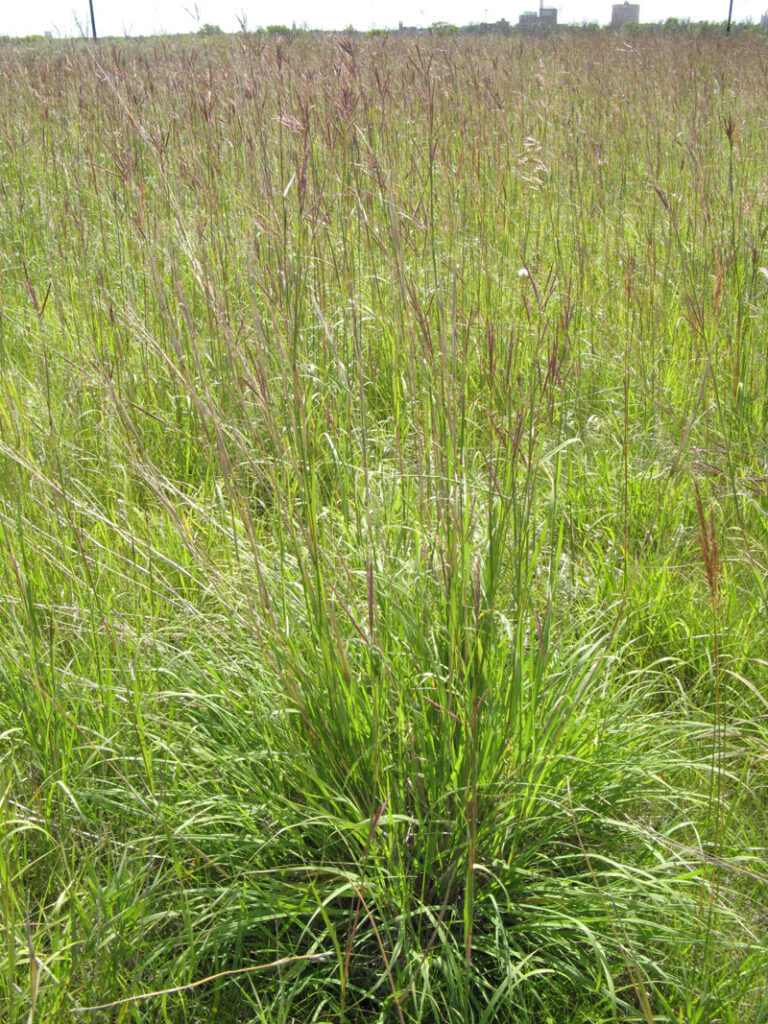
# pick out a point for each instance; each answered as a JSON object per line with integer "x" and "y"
{"x": 763, "y": 271}
{"x": 523, "y": 272}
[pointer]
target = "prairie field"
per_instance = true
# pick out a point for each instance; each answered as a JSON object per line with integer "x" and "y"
{"x": 384, "y": 529}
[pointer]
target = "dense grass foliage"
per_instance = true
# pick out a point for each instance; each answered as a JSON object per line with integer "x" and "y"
{"x": 383, "y": 489}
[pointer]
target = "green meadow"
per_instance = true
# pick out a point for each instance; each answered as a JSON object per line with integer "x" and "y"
{"x": 384, "y": 530}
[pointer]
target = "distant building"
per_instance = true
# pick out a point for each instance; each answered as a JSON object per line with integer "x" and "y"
{"x": 546, "y": 18}
{"x": 625, "y": 14}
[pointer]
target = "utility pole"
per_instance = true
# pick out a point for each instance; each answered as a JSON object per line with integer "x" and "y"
{"x": 93, "y": 20}
{"x": 730, "y": 13}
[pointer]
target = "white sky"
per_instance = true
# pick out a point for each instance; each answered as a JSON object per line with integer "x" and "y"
{"x": 148, "y": 17}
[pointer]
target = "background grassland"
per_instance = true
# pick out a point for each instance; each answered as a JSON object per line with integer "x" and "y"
{"x": 383, "y": 477}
